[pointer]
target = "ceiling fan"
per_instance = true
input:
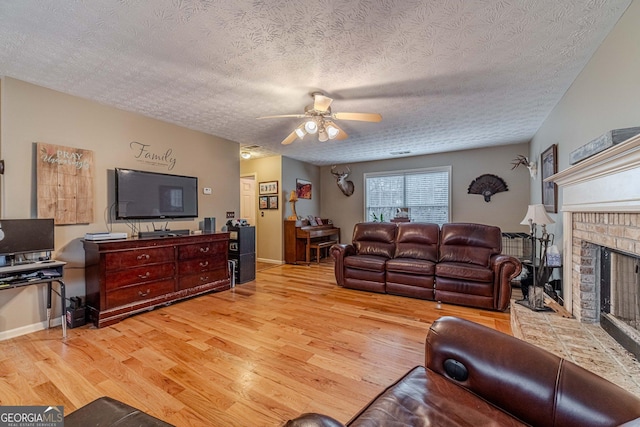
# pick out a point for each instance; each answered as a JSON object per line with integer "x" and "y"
{"x": 320, "y": 120}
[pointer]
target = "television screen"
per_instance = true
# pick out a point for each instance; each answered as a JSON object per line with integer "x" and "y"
{"x": 20, "y": 236}
{"x": 151, "y": 195}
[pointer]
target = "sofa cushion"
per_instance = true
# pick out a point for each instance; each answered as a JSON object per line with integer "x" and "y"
{"x": 375, "y": 238}
{"x": 462, "y": 271}
{"x": 365, "y": 262}
{"x": 413, "y": 266}
{"x": 424, "y": 398}
{"x": 469, "y": 243}
{"x": 417, "y": 240}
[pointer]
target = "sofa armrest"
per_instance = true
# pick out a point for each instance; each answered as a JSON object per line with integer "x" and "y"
{"x": 339, "y": 252}
{"x": 505, "y": 269}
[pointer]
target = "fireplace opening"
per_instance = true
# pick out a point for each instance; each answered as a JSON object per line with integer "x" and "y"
{"x": 619, "y": 297}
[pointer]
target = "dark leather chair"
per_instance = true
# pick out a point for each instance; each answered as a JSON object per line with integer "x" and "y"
{"x": 412, "y": 271}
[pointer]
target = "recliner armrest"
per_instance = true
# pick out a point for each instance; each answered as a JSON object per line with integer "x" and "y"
{"x": 339, "y": 251}
{"x": 505, "y": 269}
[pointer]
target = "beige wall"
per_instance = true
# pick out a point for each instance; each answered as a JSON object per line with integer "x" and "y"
{"x": 605, "y": 96}
{"x": 31, "y": 113}
{"x": 505, "y": 209}
{"x": 269, "y": 223}
{"x": 291, "y": 171}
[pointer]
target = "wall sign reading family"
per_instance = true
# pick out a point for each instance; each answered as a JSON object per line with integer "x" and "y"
{"x": 146, "y": 154}
{"x": 64, "y": 184}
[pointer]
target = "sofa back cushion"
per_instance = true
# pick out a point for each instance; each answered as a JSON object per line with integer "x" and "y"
{"x": 417, "y": 240}
{"x": 375, "y": 238}
{"x": 469, "y": 243}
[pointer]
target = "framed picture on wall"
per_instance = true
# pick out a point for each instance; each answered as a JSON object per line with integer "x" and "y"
{"x": 268, "y": 187}
{"x": 549, "y": 165}
{"x": 273, "y": 202}
{"x": 263, "y": 202}
{"x": 303, "y": 188}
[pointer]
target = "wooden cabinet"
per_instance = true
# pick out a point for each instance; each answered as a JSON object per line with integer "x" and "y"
{"x": 124, "y": 277}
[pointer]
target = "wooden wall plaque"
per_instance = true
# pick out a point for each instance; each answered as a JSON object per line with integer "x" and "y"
{"x": 65, "y": 183}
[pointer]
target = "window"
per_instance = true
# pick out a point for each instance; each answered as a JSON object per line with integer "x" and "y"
{"x": 424, "y": 193}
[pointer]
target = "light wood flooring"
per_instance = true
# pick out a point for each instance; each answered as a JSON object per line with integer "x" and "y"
{"x": 289, "y": 342}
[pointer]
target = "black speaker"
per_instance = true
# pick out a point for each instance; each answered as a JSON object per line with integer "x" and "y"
{"x": 209, "y": 225}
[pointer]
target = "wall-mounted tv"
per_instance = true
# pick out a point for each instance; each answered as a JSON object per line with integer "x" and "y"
{"x": 152, "y": 195}
{"x": 22, "y": 236}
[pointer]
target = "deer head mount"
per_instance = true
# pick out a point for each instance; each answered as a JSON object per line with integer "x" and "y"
{"x": 344, "y": 185}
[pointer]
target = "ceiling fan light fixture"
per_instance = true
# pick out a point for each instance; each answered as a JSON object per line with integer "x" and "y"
{"x": 300, "y": 131}
{"x": 332, "y": 131}
{"x": 311, "y": 127}
{"x": 322, "y": 135}
{"x": 245, "y": 155}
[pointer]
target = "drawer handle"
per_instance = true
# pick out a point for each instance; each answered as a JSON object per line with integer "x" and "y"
{"x": 144, "y": 294}
{"x": 204, "y": 278}
{"x": 145, "y": 275}
{"x": 143, "y": 256}
{"x": 204, "y": 264}
{"x": 204, "y": 250}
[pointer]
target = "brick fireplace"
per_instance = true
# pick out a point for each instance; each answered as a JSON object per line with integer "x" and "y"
{"x": 600, "y": 207}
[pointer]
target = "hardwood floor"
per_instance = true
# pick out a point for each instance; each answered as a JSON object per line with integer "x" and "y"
{"x": 289, "y": 342}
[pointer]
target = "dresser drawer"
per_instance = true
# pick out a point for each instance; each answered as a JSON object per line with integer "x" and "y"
{"x": 198, "y": 250}
{"x": 138, "y": 257}
{"x": 138, "y": 293}
{"x": 147, "y": 273}
{"x": 190, "y": 280}
{"x": 210, "y": 262}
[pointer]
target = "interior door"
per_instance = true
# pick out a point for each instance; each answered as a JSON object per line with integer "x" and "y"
{"x": 248, "y": 199}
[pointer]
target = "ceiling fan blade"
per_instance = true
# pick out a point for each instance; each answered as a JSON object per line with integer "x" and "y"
{"x": 341, "y": 133}
{"x": 299, "y": 116}
{"x": 363, "y": 117}
{"x": 288, "y": 140}
{"x": 321, "y": 102}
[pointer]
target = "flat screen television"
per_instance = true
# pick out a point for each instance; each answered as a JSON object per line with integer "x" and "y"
{"x": 152, "y": 195}
{"x": 21, "y": 236}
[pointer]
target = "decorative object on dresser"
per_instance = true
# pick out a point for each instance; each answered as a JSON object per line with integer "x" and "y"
{"x": 125, "y": 277}
{"x": 487, "y": 185}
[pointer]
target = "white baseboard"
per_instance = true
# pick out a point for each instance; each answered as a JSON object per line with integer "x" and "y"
{"x": 27, "y": 329}
{"x": 270, "y": 261}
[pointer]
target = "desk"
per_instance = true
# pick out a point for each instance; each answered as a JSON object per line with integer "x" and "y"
{"x": 35, "y": 273}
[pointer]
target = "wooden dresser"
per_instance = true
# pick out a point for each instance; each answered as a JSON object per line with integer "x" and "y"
{"x": 124, "y": 277}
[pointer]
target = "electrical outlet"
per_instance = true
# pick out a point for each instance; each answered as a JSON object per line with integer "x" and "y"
{"x": 206, "y": 190}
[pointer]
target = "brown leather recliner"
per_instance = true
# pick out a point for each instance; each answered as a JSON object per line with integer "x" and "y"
{"x": 460, "y": 263}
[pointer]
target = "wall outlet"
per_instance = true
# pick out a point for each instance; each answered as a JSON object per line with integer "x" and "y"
{"x": 206, "y": 190}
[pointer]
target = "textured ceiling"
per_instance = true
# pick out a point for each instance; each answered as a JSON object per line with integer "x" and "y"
{"x": 445, "y": 74}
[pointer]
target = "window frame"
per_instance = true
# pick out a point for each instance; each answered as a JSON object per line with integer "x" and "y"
{"x": 404, "y": 173}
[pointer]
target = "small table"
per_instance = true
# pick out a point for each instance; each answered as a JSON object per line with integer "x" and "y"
{"x": 35, "y": 273}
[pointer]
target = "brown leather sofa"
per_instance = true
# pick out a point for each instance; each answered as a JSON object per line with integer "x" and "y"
{"x": 458, "y": 263}
{"x": 476, "y": 376}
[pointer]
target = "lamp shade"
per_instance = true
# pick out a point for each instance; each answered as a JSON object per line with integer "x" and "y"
{"x": 538, "y": 215}
{"x": 311, "y": 127}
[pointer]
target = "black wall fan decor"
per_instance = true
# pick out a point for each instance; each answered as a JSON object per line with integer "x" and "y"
{"x": 487, "y": 185}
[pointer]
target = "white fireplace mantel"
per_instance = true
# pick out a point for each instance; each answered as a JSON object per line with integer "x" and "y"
{"x": 606, "y": 182}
